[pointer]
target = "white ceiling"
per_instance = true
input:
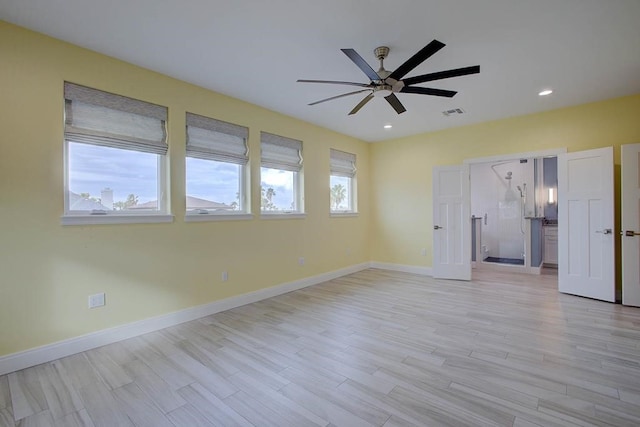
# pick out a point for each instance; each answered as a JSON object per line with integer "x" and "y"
{"x": 255, "y": 50}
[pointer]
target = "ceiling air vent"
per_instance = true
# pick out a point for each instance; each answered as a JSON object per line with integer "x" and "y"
{"x": 454, "y": 112}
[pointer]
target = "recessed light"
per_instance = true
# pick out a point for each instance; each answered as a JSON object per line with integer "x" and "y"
{"x": 387, "y": 126}
{"x": 545, "y": 92}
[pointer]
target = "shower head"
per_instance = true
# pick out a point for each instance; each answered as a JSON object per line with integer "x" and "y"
{"x": 519, "y": 189}
{"x": 508, "y": 175}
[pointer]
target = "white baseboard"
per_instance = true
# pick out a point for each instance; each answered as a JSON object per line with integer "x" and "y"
{"x": 423, "y": 271}
{"x": 35, "y": 356}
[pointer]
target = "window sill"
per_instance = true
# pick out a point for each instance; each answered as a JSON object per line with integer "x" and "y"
{"x": 343, "y": 214}
{"x": 197, "y": 217}
{"x": 283, "y": 215}
{"x": 115, "y": 219}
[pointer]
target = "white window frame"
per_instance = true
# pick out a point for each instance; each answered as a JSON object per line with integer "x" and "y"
{"x": 77, "y": 217}
{"x": 293, "y": 165}
{"x": 244, "y": 213}
{"x": 338, "y": 161}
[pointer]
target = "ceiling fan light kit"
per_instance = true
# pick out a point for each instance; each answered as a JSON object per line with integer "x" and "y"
{"x": 385, "y": 84}
{"x": 382, "y": 91}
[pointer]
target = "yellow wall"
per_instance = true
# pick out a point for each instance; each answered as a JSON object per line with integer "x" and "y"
{"x": 47, "y": 270}
{"x": 401, "y": 169}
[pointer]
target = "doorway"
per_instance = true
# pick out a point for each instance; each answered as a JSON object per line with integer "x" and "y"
{"x": 514, "y": 213}
{"x": 586, "y": 247}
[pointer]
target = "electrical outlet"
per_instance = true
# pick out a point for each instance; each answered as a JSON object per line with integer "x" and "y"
{"x": 301, "y": 261}
{"x": 423, "y": 251}
{"x": 225, "y": 276}
{"x": 96, "y": 300}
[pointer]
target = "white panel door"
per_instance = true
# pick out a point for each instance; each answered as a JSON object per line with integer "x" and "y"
{"x": 451, "y": 223}
{"x": 631, "y": 225}
{"x": 586, "y": 243}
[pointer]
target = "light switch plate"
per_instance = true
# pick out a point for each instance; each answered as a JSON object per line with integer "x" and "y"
{"x": 96, "y": 300}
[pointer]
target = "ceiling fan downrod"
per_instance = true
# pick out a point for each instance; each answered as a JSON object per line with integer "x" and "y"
{"x": 381, "y": 53}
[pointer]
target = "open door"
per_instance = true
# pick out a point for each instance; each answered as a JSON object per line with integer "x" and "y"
{"x": 631, "y": 225}
{"x": 451, "y": 223}
{"x": 586, "y": 243}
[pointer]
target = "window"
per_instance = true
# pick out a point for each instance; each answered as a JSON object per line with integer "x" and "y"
{"x": 217, "y": 156}
{"x": 342, "y": 182}
{"x": 115, "y": 153}
{"x": 280, "y": 174}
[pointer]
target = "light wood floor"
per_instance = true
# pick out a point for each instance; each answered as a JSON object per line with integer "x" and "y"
{"x": 373, "y": 348}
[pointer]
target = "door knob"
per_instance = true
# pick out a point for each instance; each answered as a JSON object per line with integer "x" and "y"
{"x": 605, "y": 231}
{"x": 436, "y": 227}
{"x": 629, "y": 233}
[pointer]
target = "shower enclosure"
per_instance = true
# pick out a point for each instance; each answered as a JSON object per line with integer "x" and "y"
{"x": 503, "y": 199}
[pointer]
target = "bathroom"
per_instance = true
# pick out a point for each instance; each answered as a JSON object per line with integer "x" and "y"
{"x": 514, "y": 214}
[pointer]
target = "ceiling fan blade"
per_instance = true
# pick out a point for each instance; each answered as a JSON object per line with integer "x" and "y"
{"x": 361, "y": 104}
{"x": 334, "y": 82}
{"x": 429, "y": 91}
{"x": 395, "y": 103}
{"x": 417, "y": 59}
{"x": 361, "y": 63}
{"x": 340, "y": 96}
{"x": 442, "y": 75}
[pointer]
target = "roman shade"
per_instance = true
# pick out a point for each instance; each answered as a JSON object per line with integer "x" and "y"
{"x": 279, "y": 152}
{"x": 212, "y": 139}
{"x": 101, "y": 118}
{"x": 342, "y": 163}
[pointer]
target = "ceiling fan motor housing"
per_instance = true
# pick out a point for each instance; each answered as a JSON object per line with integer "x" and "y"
{"x": 381, "y": 52}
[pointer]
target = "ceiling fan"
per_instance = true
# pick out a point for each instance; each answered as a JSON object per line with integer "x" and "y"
{"x": 386, "y": 83}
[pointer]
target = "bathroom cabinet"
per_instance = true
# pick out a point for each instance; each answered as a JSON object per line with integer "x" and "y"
{"x": 550, "y": 245}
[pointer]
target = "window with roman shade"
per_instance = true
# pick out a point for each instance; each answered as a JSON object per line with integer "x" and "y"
{"x": 101, "y": 118}
{"x": 217, "y": 155}
{"x": 115, "y": 158}
{"x": 212, "y": 139}
{"x": 342, "y": 183}
{"x": 279, "y": 152}
{"x": 342, "y": 163}
{"x": 281, "y": 178}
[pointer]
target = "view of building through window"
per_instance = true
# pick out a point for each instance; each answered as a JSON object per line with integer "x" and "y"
{"x": 105, "y": 178}
{"x": 213, "y": 185}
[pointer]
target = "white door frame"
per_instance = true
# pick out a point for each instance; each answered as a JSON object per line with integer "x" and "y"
{"x": 554, "y": 152}
{"x": 516, "y": 156}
